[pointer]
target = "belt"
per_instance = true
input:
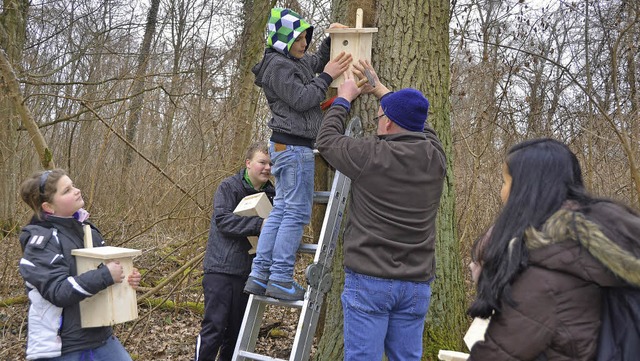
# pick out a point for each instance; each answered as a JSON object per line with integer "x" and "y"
{"x": 279, "y": 147}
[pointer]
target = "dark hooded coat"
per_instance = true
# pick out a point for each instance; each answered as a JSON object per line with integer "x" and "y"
{"x": 578, "y": 258}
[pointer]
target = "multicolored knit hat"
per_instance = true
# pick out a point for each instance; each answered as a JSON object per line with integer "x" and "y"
{"x": 284, "y": 27}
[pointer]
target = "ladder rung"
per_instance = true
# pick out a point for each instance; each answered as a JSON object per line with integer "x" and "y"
{"x": 273, "y": 301}
{"x": 257, "y": 356}
{"x": 321, "y": 197}
{"x": 309, "y": 248}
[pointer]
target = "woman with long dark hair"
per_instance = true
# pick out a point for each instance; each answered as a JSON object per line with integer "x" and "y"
{"x": 551, "y": 254}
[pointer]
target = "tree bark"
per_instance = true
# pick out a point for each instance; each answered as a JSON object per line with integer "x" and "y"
{"x": 137, "y": 86}
{"x": 179, "y": 25}
{"x": 242, "y": 103}
{"x": 330, "y": 330}
{"x": 13, "y": 28}
{"x": 411, "y": 49}
{"x": 13, "y": 91}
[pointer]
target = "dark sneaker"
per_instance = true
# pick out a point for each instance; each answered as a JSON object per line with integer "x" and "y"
{"x": 288, "y": 291}
{"x": 255, "y": 286}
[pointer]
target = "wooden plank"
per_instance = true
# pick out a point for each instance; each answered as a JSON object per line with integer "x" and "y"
{"x": 476, "y": 332}
{"x": 447, "y": 355}
{"x": 107, "y": 252}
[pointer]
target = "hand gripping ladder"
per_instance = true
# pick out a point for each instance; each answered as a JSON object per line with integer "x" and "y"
{"x": 318, "y": 276}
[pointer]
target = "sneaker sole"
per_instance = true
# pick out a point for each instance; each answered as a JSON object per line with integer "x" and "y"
{"x": 255, "y": 289}
{"x": 285, "y": 298}
{"x": 282, "y": 295}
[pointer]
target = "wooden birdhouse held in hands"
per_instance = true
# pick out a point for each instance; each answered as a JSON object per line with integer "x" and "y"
{"x": 355, "y": 41}
{"x": 118, "y": 302}
{"x": 254, "y": 205}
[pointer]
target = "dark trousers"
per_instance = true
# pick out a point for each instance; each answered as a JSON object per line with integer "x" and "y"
{"x": 224, "y": 306}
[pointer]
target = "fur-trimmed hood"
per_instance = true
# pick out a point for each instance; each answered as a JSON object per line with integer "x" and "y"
{"x": 608, "y": 232}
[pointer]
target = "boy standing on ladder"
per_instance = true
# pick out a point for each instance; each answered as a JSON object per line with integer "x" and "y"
{"x": 227, "y": 261}
{"x": 287, "y": 74}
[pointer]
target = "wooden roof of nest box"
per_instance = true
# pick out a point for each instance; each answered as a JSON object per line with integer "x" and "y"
{"x": 356, "y": 41}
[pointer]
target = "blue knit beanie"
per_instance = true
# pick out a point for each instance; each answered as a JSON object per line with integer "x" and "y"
{"x": 407, "y": 107}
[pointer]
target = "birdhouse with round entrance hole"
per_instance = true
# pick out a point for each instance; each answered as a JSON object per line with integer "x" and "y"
{"x": 355, "y": 41}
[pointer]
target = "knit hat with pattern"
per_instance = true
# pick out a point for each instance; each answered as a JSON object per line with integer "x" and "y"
{"x": 284, "y": 27}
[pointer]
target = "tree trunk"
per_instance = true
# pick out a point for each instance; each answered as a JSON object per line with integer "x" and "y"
{"x": 179, "y": 14}
{"x": 244, "y": 94}
{"x": 12, "y": 88}
{"x": 411, "y": 49}
{"x": 13, "y": 27}
{"x": 137, "y": 87}
{"x": 330, "y": 330}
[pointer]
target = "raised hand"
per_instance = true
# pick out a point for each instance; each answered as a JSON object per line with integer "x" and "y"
{"x": 338, "y": 65}
{"x": 349, "y": 89}
{"x": 337, "y": 26}
{"x": 359, "y": 70}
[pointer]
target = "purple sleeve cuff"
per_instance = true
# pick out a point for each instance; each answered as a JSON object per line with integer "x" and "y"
{"x": 342, "y": 102}
{"x": 382, "y": 97}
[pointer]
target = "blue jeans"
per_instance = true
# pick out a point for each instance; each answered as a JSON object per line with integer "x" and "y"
{"x": 281, "y": 234}
{"x": 112, "y": 350}
{"x": 383, "y": 315}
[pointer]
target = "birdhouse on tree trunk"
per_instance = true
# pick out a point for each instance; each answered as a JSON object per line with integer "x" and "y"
{"x": 118, "y": 302}
{"x": 356, "y": 41}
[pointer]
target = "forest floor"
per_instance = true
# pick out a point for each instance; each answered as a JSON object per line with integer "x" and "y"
{"x": 163, "y": 335}
{"x": 162, "y": 332}
{"x": 168, "y": 324}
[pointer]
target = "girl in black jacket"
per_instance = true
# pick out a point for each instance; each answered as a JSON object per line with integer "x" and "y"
{"x": 49, "y": 271}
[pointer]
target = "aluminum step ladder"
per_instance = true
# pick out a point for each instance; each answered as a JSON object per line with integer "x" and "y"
{"x": 318, "y": 275}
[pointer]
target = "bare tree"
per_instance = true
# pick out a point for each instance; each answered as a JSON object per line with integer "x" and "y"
{"x": 138, "y": 81}
{"x": 13, "y": 25}
{"x": 400, "y": 62}
{"x": 241, "y": 105}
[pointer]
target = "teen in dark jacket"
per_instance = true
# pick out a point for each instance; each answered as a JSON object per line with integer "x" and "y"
{"x": 549, "y": 258}
{"x": 227, "y": 261}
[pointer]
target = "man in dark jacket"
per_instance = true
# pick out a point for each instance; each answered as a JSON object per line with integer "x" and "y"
{"x": 227, "y": 261}
{"x": 389, "y": 240}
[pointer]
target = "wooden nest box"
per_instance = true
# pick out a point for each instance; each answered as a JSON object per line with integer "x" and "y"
{"x": 115, "y": 304}
{"x": 356, "y": 41}
{"x": 254, "y": 205}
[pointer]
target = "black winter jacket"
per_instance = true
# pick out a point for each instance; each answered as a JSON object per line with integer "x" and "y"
{"x": 55, "y": 289}
{"x": 228, "y": 246}
{"x": 294, "y": 93}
